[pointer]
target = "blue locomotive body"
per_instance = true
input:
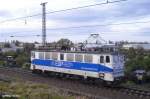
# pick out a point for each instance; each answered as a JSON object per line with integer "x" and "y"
{"x": 105, "y": 66}
{"x": 73, "y": 65}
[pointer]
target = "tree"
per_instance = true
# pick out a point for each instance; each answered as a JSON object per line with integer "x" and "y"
{"x": 22, "y": 59}
{"x": 16, "y": 42}
{"x": 28, "y": 47}
{"x": 7, "y": 45}
{"x": 137, "y": 59}
{"x": 65, "y": 44}
{"x": 10, "y": 53}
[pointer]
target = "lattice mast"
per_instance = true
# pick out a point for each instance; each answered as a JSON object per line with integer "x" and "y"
{"x": 44, "y": 23}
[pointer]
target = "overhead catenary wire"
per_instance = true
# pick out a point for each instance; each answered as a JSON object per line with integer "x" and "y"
{"x": 50, "y": 12}
{"x": 87, "y": 26}
{"x": 69, "y": 34}
{"x": 100, "y": 25}
{"x": 24, "y": 35}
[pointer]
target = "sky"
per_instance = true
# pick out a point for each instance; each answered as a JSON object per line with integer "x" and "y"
{"x": 26, "y": 29}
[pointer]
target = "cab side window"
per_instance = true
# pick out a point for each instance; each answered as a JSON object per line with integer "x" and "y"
{"x": 61, "y": 56}
{"x": 107, "y": 59}
{"x": 101, "y": 59}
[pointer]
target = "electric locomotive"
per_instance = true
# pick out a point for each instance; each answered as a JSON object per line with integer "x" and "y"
{"x": 106, "y": 66}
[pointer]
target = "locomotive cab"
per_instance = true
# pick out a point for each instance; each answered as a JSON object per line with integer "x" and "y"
{"x": 114, "y": 62}
{"x": 118, "y": 66}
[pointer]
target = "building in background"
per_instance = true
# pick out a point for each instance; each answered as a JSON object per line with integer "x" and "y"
{"x": 137, "y": 46}
{"x": 7, "y": 47}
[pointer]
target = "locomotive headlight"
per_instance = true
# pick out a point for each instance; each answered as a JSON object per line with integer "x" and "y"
{"x": 101, "y": 75}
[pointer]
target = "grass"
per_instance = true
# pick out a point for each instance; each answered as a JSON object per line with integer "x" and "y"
{"x": 29, "y": 90}
{"x": 143, "y": 86}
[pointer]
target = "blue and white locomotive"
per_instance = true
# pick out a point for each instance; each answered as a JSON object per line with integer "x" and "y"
{"x": 108, "y": 66}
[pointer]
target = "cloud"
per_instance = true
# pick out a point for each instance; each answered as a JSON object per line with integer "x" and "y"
{"x": 124, "y": 12}
{"x": 4, "y": 13}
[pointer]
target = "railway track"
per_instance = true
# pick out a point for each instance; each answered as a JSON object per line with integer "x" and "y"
{"x": 74, "y": 87}
{"x": 135, "y": 91}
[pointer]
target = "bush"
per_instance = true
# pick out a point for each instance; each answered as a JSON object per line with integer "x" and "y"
{"x": 26, "y": 66}
{"x": 21, "y": 60}
{"x": 2, "y": 63}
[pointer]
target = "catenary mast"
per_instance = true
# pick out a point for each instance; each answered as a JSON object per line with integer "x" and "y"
{"x": 44, "y": 23}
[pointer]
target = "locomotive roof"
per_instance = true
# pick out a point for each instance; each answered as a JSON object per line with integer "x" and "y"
{"x": 88, "y": 52}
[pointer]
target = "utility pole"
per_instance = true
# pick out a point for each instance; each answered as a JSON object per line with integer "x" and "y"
{"x": 44, "y": 23}
{"x": 107, "y": 1}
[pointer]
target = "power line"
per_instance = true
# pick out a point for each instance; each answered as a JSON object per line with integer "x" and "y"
{"x": 87, "y": 26}
{"x": 50, "y": 12}
{"x": 24, "y": 36}
{"x": 102, "y": 33}
{"x": 19, "y": 32}
{"x": 99, "y": 25}
{"x": 109, "y": 2}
